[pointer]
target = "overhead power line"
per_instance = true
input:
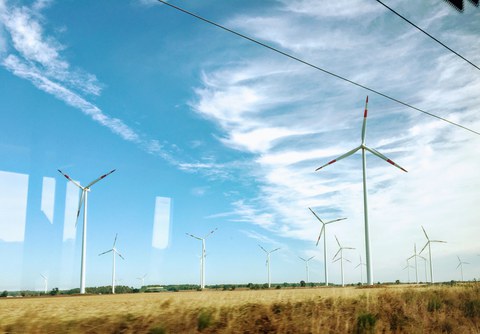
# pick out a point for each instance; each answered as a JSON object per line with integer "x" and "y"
{"x": 316, "y": 67}
{"x": 426, "y": 33}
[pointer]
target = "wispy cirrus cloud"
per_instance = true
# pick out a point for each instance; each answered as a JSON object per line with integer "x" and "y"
{"x": 289, "y": 135}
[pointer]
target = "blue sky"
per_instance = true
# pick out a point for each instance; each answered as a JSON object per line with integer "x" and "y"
{"x": 208, "y": 130}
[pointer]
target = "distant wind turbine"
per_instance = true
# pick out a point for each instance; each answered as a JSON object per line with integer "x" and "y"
{"x": 142, "y": 279}
{"x": 45, "y": 280}
{"x": 84, "y": 201}
{"x": 340, "y": 251}
{"x": 267, "y": 263}
{"x": 430, "y": 253}
{"x": 202, "y": 258}
{"x": 460, "y": 264}
{"x": 114, "y": 252}
{"x": 364, "y": 148}
{"x": 323, "y": 231}
{"x": 414, "y": 256}
{"x": 361, "y": 264}
{"x": 408, "y": 266}
{"x": 306, "y": 266}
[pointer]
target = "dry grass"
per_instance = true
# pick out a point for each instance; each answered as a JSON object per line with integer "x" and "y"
{"x": 316, "y": 310}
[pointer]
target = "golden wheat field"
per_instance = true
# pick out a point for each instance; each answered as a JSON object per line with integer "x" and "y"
{"x": 423, "y": 309}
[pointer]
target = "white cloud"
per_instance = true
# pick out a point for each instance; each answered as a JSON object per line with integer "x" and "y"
{"x": 289, "y": 135}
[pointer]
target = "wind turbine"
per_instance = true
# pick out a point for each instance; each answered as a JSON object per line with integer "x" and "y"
{"x": 202, "y": 258}
{"x": 84, "y": 201}
{"x": 460, "y": 264}
{"x": 267, "y": 263}
{"x": 45, "y": 279}
{"x": 414, "y": 256}
{"x": 114, "y": 252}
{"x": 364, "y": 148}
{"x": 142, "y": 279}
{"x": 361, "y": 269}
{"x": 408, "y": 266}
{"x": 340, "y": 251}
{"x": 324, "y": 231}
{"x": 430, "y": 253}
{"x": 306, "y": 266}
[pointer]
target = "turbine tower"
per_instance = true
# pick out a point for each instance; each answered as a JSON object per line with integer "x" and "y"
{"x": 45, "y": 280}
{"x": 84, "y": 201}
{"x": 324, "y": 232}
{"x": 202, "y": 257}
{"x": 430, "y": 253}
{"x": 306, "y": 267}
{"x": 460, "y": 264}
{"x": 364, "y": 148}
{"x": 267, "y": 263}
{"x": 340, "y": 251}
{"x": 361, "y": 269}
{"x": 114, "y": 252}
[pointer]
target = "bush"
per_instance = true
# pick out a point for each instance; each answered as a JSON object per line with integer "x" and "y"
{"x": 434, "y": 304}
{"x": 204, "y": 319}
{"x": 471, "y": 308}
{"x": 4, "y": 294}
{"x": 366, "y": 323}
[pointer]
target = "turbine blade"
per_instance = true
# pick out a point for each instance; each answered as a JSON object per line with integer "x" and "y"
{"x": 320, "y": 235}
{"x": 69, "y": 179}
{"x": 275, "y": 250}
{"x": 458, "y": 257}
{"x": 101, "y": 177}
{"x": 80, "y": 203}
{"x": 348, "y": 248}
{"x": 193, "y": 236}
{"x": 301, "y": 258}
{"x": 340, "y": 157}
{"x": 424, "y": 247}
{"x": 210, "y": 233}
{"x": 105, "y": 252}
{"x": 335, "y": 220}
{"x": 459, "y": 265}
{"x": 358, "y": 265}
{"x": 411, "y": 257}
{"x": 337, "y": 253}
{"x": 438, "y": 241}
{"x": 336, "y": 260}
{"x": 311, "y": 258}
{"x": 315, "y": 215}
{"x": 381, "y": 156}
{"x": 120, "y": 255}
{"x": 364, "y": 126}
{"x": 115, "y": 241}
{"x": 426, "y": 236}
{"x": 263, "y": 249}
{"x": 338, "y": 242}
{"x": 43, "y": 276}
{"x": 347, "y": 260}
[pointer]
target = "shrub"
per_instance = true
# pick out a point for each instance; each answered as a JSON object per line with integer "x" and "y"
{"x": 434, "y": 304}
{"x": 204, "y": 319}
{"x": 471, "y": 308}
{"x": 366, "y": 323}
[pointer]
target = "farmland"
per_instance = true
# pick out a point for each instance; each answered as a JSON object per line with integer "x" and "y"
{"x": 388, "y": 309}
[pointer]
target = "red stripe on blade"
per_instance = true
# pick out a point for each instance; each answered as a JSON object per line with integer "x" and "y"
{"x": 331, "y": 162}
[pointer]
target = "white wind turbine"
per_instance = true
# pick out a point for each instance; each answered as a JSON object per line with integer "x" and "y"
{"x": 460, "y": 264}
{"x": 114, "y": 252}
{"x": 202, "y": 258}
{"x": 340, "y": 251}
{"x": 306, "y": 266}
{"x": 364, "y": 148}
{"x": 430, "y": 253}
{"x": 414, "y": 256}
{"x": 324, "y": 232}
{"x": 84, "y": 201}
{"x": 408, "y": 266}
{"x": 45, "y": 280}
{"x": 361, "y": 264}
{"x": 267, "y": 263}
{"x": 142, "y": 279}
